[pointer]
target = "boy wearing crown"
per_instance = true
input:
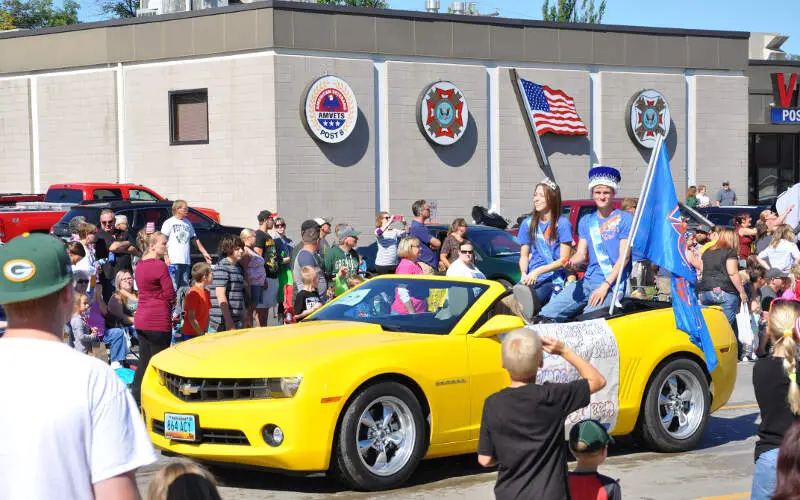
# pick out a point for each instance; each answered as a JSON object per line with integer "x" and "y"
{"x": 603, "y": 236}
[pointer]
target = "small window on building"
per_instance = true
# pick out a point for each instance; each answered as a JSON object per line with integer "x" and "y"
{"x": 188, "y": 117}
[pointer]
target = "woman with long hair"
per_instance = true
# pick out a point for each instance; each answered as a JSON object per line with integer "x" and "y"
{"x": 456, "y": 234}
{"x": 546, "y": 242}
{"x": 702, "y": 198}
{"x": 788, "y": 485}
{"x": 404, "y": 302}
{"x": 742, "y": 225}
{"x": 721, "y": 284}
{"x": 121, "y": 307}
{"x": 777, "y": 394}
{"x": 255, "y": 274}
{"x": 691, "y": 197}
{"x": 782, "y": 252}
{"x": 387, "y": 238}
{"x": 153, "y": 315}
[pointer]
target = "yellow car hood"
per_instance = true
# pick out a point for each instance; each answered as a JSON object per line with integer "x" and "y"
{"x": 274, "y": 351}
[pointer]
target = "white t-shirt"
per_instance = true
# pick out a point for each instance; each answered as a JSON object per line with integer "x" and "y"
{"x": 179, "y": 233}
{"x": 782, "y": 256}
{"x": 458, "y": 269}
{"x": 703, "y": 200}
{"x": 67, "y": 422}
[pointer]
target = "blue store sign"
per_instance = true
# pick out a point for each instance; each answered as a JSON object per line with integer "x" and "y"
{"x": 785, "y": 91}
{"x": 784, "y": 115}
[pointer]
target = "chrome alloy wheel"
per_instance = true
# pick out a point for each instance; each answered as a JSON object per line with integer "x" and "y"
{"x": 681, "y": 404}
{"x": 385, "y": 436}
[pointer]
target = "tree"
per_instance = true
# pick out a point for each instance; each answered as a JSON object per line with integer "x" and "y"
{"x": 376, "y": 4}
{"x": 6, "y": 21}
{"x": 567, "y": 11}
{"x": 119, "y": 8}
{"x": 32, "y": 14}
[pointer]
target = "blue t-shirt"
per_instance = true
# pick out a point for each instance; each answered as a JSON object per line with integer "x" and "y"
{"x": 426, "y": 255}
{"x": 612, "y": 229}
{"x": 564, "y": 235}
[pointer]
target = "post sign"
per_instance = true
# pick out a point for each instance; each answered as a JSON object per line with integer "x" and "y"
{"x": 443, "y": 113}
{"x": 647, "y": 117}
{"x": 785, "y": 91}
{"x": 330, "y": 110}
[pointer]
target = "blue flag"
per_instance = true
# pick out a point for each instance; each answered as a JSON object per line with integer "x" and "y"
{"x": 660, "y": 237}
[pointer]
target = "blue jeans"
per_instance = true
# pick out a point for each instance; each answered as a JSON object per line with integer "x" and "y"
{"x": 765, "y": 476}
{"x": 728, "y": 301}
{"x": 573, "y": 299}
{"x": 115, "y": 339}
{"x": 180, "y": 275}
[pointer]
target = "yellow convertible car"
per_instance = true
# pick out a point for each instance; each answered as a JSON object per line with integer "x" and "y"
{"x": 397, "y": 370}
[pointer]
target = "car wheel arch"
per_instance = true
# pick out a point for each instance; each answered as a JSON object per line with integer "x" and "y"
{"x": 398, "y": 378}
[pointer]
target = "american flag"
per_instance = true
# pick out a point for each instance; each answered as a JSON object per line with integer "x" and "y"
{"x": 551, "y": 110}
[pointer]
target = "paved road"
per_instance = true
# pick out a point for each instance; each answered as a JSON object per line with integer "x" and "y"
{"x": 722, "y": 466}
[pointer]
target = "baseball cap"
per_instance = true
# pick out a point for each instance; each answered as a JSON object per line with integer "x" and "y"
{"x": 33, "y": 266}
{"x": 321, "y": 221}
{"x": 347, "y": 231}
{"x": 588, "y": 436}
{"x": 266, "y": 214}
{"x": 775, "y": 273}
{"x": 309, "y": 224}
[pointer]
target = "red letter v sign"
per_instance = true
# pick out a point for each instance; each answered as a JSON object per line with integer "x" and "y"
{"x": 783, "y": 93}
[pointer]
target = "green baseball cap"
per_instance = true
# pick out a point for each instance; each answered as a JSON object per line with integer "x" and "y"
{"x": 588, "y": 436}
{"x": 32, "y": 266}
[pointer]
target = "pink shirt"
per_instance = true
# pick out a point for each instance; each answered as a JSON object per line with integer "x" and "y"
{"x": 401, "y": 294}
{"x": 156, "y": 296}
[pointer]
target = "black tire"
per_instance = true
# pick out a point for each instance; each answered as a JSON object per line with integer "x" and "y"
{"x": 348, "y": 465}
{"x": 651, "y": 432}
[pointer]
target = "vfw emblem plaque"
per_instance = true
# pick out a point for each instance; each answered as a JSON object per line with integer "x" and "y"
{"x": 648, "y": 117}
{"x": 443, "y": 113}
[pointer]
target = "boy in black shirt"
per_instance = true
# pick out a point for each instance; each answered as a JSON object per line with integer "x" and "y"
{"x": 522, "y": 429}
{"x": 307, "y": 300}
{"x": 588, "y": 441}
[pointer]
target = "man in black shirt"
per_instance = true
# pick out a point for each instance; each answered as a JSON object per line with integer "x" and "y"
{"x": 265, "y": 247}
{"x": 522, "y": 429}
{"x": 106, "y": 245}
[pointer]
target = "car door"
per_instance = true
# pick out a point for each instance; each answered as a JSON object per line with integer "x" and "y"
{"x": 206, "y": 233}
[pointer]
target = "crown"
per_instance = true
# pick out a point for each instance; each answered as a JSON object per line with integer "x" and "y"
{"x": 549, "y": 183}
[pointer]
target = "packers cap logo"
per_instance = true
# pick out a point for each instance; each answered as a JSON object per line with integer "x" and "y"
{"x": 19, "y": 270}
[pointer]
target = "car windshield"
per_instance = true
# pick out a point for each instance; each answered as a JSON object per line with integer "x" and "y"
{"x": 92, "y": 215}
{"x": 495, "y": 243}
{"x": 400, "y": 304}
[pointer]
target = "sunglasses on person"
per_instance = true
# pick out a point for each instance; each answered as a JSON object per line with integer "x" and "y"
{"x": 107, "y": 222}
{"x": 82, "y": 282}
{"x": 469, "y": 252}
{"x": 280, "y": 225}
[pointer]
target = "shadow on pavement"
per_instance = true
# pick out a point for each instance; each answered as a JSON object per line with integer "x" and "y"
{"x": 726, "y": 430}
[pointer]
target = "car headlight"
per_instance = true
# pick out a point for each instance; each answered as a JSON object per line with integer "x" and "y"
{"x": 289, "y": 386}
{"x": 277, "y": 387}
{"x": 162, "y": 379}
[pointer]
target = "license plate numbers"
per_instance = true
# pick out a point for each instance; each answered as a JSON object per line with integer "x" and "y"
{"x": 180, "y": 427}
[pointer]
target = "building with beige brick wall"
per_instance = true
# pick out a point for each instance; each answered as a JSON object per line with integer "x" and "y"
{"x": 95, "y": 102}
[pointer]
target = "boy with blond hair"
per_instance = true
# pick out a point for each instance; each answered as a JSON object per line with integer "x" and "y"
{"x": 307, "y": 300}
{"x": 522, "y": 428}
{"x": 588, "y": 441}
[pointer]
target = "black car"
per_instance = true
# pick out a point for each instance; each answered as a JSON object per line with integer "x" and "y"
{"x": 723, "y": 216}
{"x": 139, "y": 213}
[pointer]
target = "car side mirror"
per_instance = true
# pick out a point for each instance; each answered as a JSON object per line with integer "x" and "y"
{"x": 499, "y": 324}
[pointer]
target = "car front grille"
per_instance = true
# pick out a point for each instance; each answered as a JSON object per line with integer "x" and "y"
{"x": 211, "y": 436}
{"x": 219, "y": 389}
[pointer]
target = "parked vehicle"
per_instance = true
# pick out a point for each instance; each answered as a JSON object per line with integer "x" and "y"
{"x": 723, "y": 216}
{"x": 496, "y": 252}
{"x": 139, "y": 213}
{"x": 38, "y": 213}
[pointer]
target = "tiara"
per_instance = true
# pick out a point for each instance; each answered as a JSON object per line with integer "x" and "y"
{"x": 549, "y": 183}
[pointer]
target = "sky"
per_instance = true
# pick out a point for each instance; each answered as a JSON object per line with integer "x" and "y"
{"x": 771, "y": 16}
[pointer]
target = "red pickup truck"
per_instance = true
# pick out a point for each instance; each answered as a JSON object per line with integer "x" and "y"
{"x": 41, "y": 216}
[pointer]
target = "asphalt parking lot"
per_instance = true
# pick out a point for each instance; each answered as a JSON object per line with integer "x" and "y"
{"x": 720, "y": 468}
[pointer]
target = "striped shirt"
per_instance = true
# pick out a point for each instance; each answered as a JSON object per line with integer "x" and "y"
{"x": 229, "y": 276}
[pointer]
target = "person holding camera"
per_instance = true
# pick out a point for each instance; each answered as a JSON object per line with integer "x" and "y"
{"x": 388, "y": 231}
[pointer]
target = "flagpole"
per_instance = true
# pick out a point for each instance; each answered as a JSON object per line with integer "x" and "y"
{"x": 637, "y": 215}
{"x": 544, "y": 161}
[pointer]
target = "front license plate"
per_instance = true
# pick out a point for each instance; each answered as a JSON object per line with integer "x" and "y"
{"x": 180, "y": 427}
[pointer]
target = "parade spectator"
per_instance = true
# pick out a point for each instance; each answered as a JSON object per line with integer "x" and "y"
{"x": 108, "y": 248}
{"x": 87, "y": 237}
{"x": 227, "y": 296}
{"x": 768, "y": 221}
{"x": 284, "y": 247}
{"x": 726, "y": 196}
{"x": 456, "y": 234}
{"x": 409, "y": 251}
{"x": 336, "y": 230}
{"x": 387, "y": 237}
{"x": 70, "y": 447}
{"x": 123, "y": 260}
{"x": 76, "y": 253}
{"x": 180, "y": 233}
{"x": 788, "y": 466}
{"x": 307, "y": 300}
{"x": 782, "y": 252}
{"x": 544, "y": 238}
{"x": 721, "y": 284}
{"x": 588, "y": 441}
{"x": 197, "y": 303}
{"x": 83, "y": 335}
{"x": 74, "y": 226}
{"x": 464, "y": 265}
{"x": 183, "y": 480}
{"x": 603, "y": 236}
{"x": 762, "y": 238}
{"x": 255, "y": 273}
{"x": 342, "y": 261}
{"x": 427, "y": 259}
{"x": 522, "y": 427}
{"x": 121, "y": 310}
{"x": 152, "y": 318}
{"x": 758, "y": 278}
{"x": 742, "y": 225}
{"x": 703, "y": 200}
{"x": 691, "y": 197}
{"x": 324, "y": 230}
{"x": 756, "y": 325}
{"x": 266, "y": 248}
{"x": 307, "y": 256}
{"x": 777, "y": 393}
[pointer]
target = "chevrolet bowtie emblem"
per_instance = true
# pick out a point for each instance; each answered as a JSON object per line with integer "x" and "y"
{"x": 188, "y": 389}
